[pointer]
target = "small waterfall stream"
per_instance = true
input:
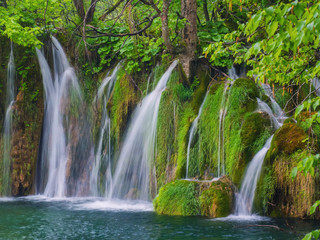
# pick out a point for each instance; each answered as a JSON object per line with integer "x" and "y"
{"x": 7, "y": 133}
{"x": 244, "y": 199}
{"x": 223, "y": 112}
{"x": 103, "y": 154}
{"x": 131, "y": 179}
{"x": 59, "y": 89}
{"x": 192, "y": 133}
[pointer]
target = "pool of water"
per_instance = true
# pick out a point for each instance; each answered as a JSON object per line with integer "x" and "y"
{"x": 38, "y": 217}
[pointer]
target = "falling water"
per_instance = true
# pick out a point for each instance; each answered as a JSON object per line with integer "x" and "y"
{"x": 131, "y": 177}
{"x": 55, "y": 152}
{"x": 278, "y": 112}
{"x": 223, "y": 112}
{"x": 10, "y": 94}
{"x": 103, "y": 155}
{"x": 244, "y": 199}
{"x": 316, "y": 85}
{"x": 193, "y": 130}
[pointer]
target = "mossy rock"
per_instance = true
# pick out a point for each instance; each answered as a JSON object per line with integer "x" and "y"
{"x": 255, "y": 131}
{"x": 246, "y": 93}
{"x": 179, "y": 197}
{"x": 191, "y": 198}
{"x": 287, "y": 139}
{"x": 278, "y": 195}
{"x": 218, "y": 200}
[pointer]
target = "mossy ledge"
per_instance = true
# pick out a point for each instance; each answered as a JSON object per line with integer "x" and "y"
{"x": 191, "y": 198}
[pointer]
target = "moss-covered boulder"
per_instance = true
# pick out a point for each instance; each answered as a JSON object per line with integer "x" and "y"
{"x": 255, "y": 131}
{"x": 189, "y": 198}
{"x": 179, "y": 197}
{"x": 287, "y": 139}
{"x": 217, "y": 200}
{"x": 278, "y": 194}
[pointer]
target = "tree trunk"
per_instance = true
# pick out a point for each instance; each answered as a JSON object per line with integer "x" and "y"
{"x": 205, "y": 10}
{"x": 189, "y": 34}
{"x": 91, "y": 11}
{"x": 165, "y": 28}
{"x": 79, "y": 7}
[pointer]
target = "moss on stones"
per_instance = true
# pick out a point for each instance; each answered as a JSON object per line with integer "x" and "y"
{"x": 287, "y": 139}
{"x": 281, "y": 196}
{"x": 190, "y": 198}
{"x": 122, "y": 104}
{"x": 217, "y": 200}
{"x": 178, "y": 198}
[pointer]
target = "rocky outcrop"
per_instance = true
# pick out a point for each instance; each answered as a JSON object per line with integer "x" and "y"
{"x": 189, "y": 198}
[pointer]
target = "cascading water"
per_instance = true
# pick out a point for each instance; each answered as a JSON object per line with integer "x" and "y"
{"x": 244, "y": 199}
{"x": 56, "y": 151}
{"x": 193, "y": 131}
{"x": 278, "y": 112}
{"x": 223, "y": 112}
{"x": 10, "y": 95}
{"x": 131, "y": 177}
{"x": 316, "y": 85}
{"x": 103, "y": 155}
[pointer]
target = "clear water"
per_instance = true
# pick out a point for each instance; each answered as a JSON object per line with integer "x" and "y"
{"x": 92, "y": 218}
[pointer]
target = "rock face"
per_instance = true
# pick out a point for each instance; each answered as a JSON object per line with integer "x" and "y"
{"x": 25, "y": 142}
{"x": 190, "y": 198}
{"x": 277, "y": 193}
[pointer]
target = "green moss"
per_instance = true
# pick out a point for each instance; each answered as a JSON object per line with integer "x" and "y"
{"x": 217, "y": 200}
{"x": 208, "y": 127}
{"x": 189, "y": 198}
{"x": 187, "y": 117}
{"x": 287, "y": 139}
{"x": 122, "y": 104}
{"x": 242, "y": 100}
{"x": 166, "y": 132}
{"x": 255, "y": 131}
{"x": 178, "y": 198}
{"x": 280, "y": 195}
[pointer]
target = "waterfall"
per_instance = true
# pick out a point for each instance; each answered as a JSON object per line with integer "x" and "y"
{"x": 223, "y": 112}
{"x": 316, "y": 85}
{"x": 10, "y": 95}
{"x": 193, "y": 131}
{"x": 103, "y": 156}
{"x": 61, "y": 89}
{"x": 278, "y": 112}
{"x": 131, "y": 177}
{"x": 244, "y": 199}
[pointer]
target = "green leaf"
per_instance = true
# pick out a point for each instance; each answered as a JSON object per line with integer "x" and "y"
{"x": 315, "y": 234}
{"x": 272, "y": 28}
{"x": 308, "y": 236}
{"x": 269, "y": 11}
{"x": 299, "y": 110}
{"x": 294, "y": 172}
{"x": 299, "y": 10}
{"x": 314, "y": 207}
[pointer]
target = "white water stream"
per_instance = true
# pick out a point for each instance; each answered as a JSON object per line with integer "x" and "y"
{"x": 7, "y": 133}
{"x": 131, "y": 179}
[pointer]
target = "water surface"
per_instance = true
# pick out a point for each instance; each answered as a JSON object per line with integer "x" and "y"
{"x": 38, "y": 217}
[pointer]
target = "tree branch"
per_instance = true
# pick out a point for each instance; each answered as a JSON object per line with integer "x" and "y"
{"x": 110, "y": 10}
{"x": 126, "y": 34}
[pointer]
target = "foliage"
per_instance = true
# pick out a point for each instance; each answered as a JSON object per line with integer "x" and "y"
{"x": 25, "y": 21}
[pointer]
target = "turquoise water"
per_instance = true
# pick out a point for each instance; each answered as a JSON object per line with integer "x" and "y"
{"x": 93, "y": 218}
